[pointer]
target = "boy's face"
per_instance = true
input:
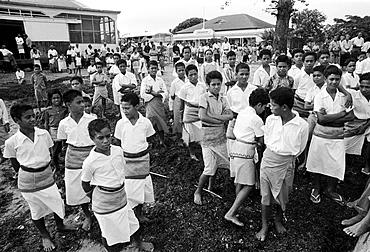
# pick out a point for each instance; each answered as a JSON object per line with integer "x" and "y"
{"x": 116, "y": 58}
{"x": 324, "y": 59}
{"x": 266, "y": 59}
{"x": 129, "y": 110}
{"x": 187, "y": 54}
{"x": 214, "y": 86}
{"x": 92, "y": 62}
{"x": 365, "y": 88}
{"x": 193, "y": 76}
{"x": 351, "y": 67}
{"x": 309, "y": 61}
{"x": 77, "y": 105}
{"x": 56, "y": 99}
{"x": 276, "y": 109}
{"x": 75, "y": 84}
{"x": 361, "y": 57}
{"x": 102, "y": 140}
{"x": 282, "y": 68}
{"x": 180, "y": 72}
{"x": 318, "y": 78}
{"x": 333, "y": 81}
{"x": 242, "y": 76}
{"x": 37, "y": 70}
{"x": 231, "y": 60}
{"x": 88, "y": 107}
{"x": 209, "y": 55}
{"x": 298, "y": 58}
{"x": 122, "y": 68}
{"x": 260, "y": 108}
{"x": 153, "y": 70}
{"x": 99, "y": 68}
{"x": 27, "y": 120}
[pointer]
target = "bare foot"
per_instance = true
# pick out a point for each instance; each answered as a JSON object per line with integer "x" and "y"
{"x": 193, "y": 157}
{"x": 234, "y": 220}
{"x": 358, "y": 229}
{"x": 197, "y": 198}
{"x": 262, "y": 234}
{"x": 68, "y": 228}
{"x": 48, "y": 244}
{"x": 146, "y": 246}
{"x": 352, "y": 204}
{"x": 353, "y": 220}
{"x": 279, "y": 227}
{"x": 87, "y": 224}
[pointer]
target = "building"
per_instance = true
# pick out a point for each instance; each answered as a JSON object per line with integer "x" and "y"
{"x": 238, "y": 28}
{"x": 56, "y": 22}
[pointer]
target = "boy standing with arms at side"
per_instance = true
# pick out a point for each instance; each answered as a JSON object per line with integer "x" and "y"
{"x": 28, "y": 150}
{"x": 73, "y": 129}
{"x": 133, "y": 131}
{"x": 229, "y": 74}
{"x": 100, "y": 81}
{"x": 38, "y": 80}
{"x": 285, "y": 137}
{"x": 297, "y": 56}
{"x": 265, "y": 71}
{"x": 214, "y": 111}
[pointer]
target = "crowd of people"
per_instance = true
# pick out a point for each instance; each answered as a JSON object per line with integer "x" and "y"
{"x": 299, "y": 111}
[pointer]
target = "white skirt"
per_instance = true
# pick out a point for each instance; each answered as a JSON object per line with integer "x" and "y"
{"x": 354, "y": 144}
{"x": 45, "y": 202}
{"x": 75, "y": 195}
{"x": 139, "y": 191}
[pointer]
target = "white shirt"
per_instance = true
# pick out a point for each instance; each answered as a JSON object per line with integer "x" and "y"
{"x": 19, "y": 74}
{"x": 261, "y": 77}
{"x": 52, "y": 52}
{"x": 239, "y": 99}
{"x": 156, "y": 85}
{"x": 191, "y": 61}
{"x": 350, "y": 81}
{"x": 3, "y": 112}
{"x": 294, "y": 71}
{"x": 176, "y": 85}
{"x": 19, "y": 40}
{"x": 361, "y": 105}
{"x": 359, "y": 42}
{"x": 364, "y": 66}
{"x": 288, "y": 139}
{"x": 324, "y": 100}
{"x": 205, "y": 68}
{"x": 365, "y": 47}
{"x": 312, "y": 92}
{"x": 133, "y": 137}
{"x": 34, "y": 154}
{"x": 302, "y": 83}
{"x": 75, "y": 133}
{"x": 191, "y": 93}
{"x": 248, "y": 125}
{"x": 114, "y": 70}
{"x": 119, "y": 80}
{"x": 103, "y": 170}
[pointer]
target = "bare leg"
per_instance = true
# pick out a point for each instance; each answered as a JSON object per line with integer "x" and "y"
{"x": 137, "y": 242}
{"x": 198, "y": 193}
{"x": 211, "y": 182}
{"x": 279, "y": 220}
{"x": 262, "y": 234}
{"x": 353, "y": 220}
{"x": 367, "y": 159}
{"x": 192, "y": 151}
{"x": 138, "y": 210}
{"x": 47, "y": 243}
{"x": 238, "y": 187}
{"x": 240, "y": 198}
{"x": 359, "y": 228}
{"x": 161, "y": 137}
{"x": 61, "y": 227}
{"x": 317, "y": 184}
{"x": 331, "y": 188}
{"x": 104, "y": 104}
{"x": 88, "y": 220}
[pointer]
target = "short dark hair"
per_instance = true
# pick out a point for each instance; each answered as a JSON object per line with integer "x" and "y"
{"x": 230, "y": 54}
{"x": 284, "y": 58}
{"x": 96, "y": 126}
{"x": 213, "y": 75}
{"x": 186, "y": 47}
{"x": 323, "y": 51}
{"x": 362, "y": 52}
{"x": 179, "y": 64}
{"x": 77, "y": 78}
{"x": 242, "y": 65}
{"x": 310, "y": 53}
{"x": 320, "y": 69}
{"x": 331, "y": 69}
{"x": 70, "y": 95}
{"x": 132, "y": 98}
{"x": 36, "y": 66}
{"x": 121, "y": 61}
{"x": 87, "y": 99}
{"x": 117, "y": 54}
{"x": 17, "y": 110}
{"x": 153, "y": 63}
{"x": 99, "y": 63}
{"x": 190, "y": 67}
{"x": 349, "y": 60}
{"x": 265, "y": 52}
{"x": 365, "y": 77}
{"x": 258, "y": 95}
{"x": 53, "y": 92}
{"x": 297, "y": 50}
{"x": 283, "y": 95}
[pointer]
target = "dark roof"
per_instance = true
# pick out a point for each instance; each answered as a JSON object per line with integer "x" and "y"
{"x": 62, "y": 4}
{"x": 230, "y": 22}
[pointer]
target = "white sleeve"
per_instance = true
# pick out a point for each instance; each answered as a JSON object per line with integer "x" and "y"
{"x": 146, "y": 97}
{"x": 62, "y": 134}
{"x": 4, "y": 112}
{"x": 118, "y": 130}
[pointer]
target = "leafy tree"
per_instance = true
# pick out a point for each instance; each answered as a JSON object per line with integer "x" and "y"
{"x": 351, "y": 25}
{"x": 308, "y": 23}
{"x": 187, "y": 23}
{"x": 268, "y": 34}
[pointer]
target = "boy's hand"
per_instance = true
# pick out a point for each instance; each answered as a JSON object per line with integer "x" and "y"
{"x": 322, "y": 111}
{"x": 361, "y": 130}
{"x": 349, "y": 101}
{"x": 7, "y": 127}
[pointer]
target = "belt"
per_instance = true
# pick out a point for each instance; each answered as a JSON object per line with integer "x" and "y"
{"x": 82, "y": 146}
{"x": 211, "y": 126}
{"x": 135, "y": 155}
{"x": 27, "y": 169}
{"x": 191, "y": 105}
{"x": 245, "y": 142}
{"x": 109, "y": 189}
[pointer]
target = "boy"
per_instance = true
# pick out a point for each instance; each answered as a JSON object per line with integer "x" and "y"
{"x": 360, "y": 58}
{"x": 103, "y": 179}
{"x": 326, "y": 154}
{"x": 133, "y": 131}
{"x": 114, "y": 70}
{"x": 214, "y": 111}
{"x": 77, "y": 84}
{"x": 248, "y": 133}
{"x": 153, "y": 91}
{"x": 20, "y": 76}
{"x": 319, "y": 79}
{"x": 229, "y": 72}
{"x": 285, "y": 135}
{"x": 281, "y": 79}
{"x": 91, "y": 69}
{"x": 297, "y": 56}
{"x": 323, "y": 57}
{"x": 73, "y": 129}
{"x": 88, "y": 107}
{"x": 189, "y": 95}
{"x": 38, "y": 80}
{"x": 176, "y": 85}
{"x": 265, "y": 71}
{"x": 78, "y": 64}
{"x": 350, "y": 79}
{"x": 28, "y": 150}
{"x": 100, "y": 81}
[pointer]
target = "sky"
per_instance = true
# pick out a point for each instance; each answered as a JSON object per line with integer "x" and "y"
{"x": 138, "y": 16}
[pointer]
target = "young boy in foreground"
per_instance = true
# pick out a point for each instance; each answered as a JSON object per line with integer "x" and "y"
{"x": 103, "y": 179}
{"x": 28, "y": 150}
{"x": 285, "y": 137}
{"x": 214, "y": 111}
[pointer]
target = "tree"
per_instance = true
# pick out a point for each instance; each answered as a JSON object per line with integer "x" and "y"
{"x": 308, "y": 23}
{"x": 268, "y": 34}
{"x": 187, "y": 23}
{"x": 351, "y": 25}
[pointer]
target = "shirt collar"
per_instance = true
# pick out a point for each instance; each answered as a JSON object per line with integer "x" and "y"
{"x": 326, "y": 94}
{"x": 38, "y": 132}
{"x": 125, "y": 119}
{"x": 212, "y": 95}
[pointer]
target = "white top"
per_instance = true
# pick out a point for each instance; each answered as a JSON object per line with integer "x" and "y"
{"x": 261, "y": 77}
{"x": 176, "y": 85}
{"x": 156, "y": 85}
{"x": 3, "y": 112}
{"x": 75, "y": 133}
{"x": 191, "y": 61}
{"x": 91, "y": 69}
{"x": 225, "y": 47}
{"x": 191, "y": 93}
{"x": 52, "y": 52}
{"x": 119, "y": 80}
{"x": 361, "y": 105}
{"x": 302, "y": 83}
{"x": 19, "y": 40}
{"x": 294, "y": 71}
{"x": 288, "y": 139}
{"x": 114, "y": 69}
{"x": 364, "y": 66}
{"x": 34, "y": 154}
{"x": 103, "y": 170}
{"x": 324, "y": 100}
{"x": 248, "y": 125}
{"x": 358, "y": 41}
{"x": 239, "y": 99}
{"x": 133, "y": 137}
{"x": 205, "y": 68}
{"x": 365, "y": 46}
{"x": 19, "y": 74}
{"x": 350, "y": 81}
{"x": 312, "y": 92}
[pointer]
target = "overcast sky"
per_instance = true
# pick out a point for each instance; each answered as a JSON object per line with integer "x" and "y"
{"x": 162, "y": 15}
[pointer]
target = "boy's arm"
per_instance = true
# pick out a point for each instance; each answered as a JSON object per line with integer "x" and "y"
{"x": 15, "y": 164}
{"x": 46, "y": 119}
{"x": 349, "y": 101}
{"x": 363, "y": 128}
{"x": 87, "y": 188}
{"x": 226, "y": 116}
{"x": 204, "y": 117}
{"x": 325, "y": 119}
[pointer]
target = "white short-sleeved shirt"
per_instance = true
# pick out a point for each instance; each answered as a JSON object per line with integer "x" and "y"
{"x": 239, "y": 99}
{"x": 294, "y": 70}
{"x": 248, "y": 125}
{"x": 191, "y": 93}
{"x": 324, "y": 100}
{"x": 75, "y": 133}
{"x": 312, "y": 92}
{"x": 176, "y": 85}
{"x": 302, "y": 83}
{"x": 349, "y": 80}
{"x": 133, "y": 137}
{"x": 364, "y": 66}
{"x": 156, "y": 85}
{"x": 261, "y": 77}
{"x": 288, "y": 139}
{"x": 206, "y": 67}
{"x": 119, "y": 80}
{"x": 19, "y": 74}
{"x": 361, "y": 105}
{"x": 34, "y": 154}
{"x": 114, "y": 69}
{"x": 191, "y": 61}
{"x": 103, "y": 170}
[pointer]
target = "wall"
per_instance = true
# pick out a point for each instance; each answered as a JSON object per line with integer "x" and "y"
{"x": 46, "y": 30}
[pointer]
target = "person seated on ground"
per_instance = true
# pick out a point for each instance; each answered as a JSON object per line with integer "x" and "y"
{"x": 19, "y": 74}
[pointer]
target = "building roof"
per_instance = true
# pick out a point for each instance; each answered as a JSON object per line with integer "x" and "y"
{"x": 230, "y": 22}
{"x": 61, "y": 4}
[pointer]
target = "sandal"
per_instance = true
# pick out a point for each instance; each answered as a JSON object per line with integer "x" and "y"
{"x": 338, "y": 200}
{"x": 315, "y": 199}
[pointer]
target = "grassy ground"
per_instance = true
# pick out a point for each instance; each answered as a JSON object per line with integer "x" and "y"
{"x": 180, "y": 225}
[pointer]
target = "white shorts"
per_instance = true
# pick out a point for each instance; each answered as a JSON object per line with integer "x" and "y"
{"x": 214, "y": 159}
{"x": 139, "y": 191}
{"x": 75, "y": 195}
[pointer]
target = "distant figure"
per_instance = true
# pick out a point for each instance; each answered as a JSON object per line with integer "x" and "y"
{"x": 38, "y": 80}
{"x": 36, "y": 55}
{"x": 19, "y": 40}
{"x": 20, "y": 76}
{"x": 27, "y": 45}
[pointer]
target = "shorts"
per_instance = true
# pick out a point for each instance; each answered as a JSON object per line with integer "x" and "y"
{"x": 212, "y": 159}
{"x": 101, "y": 92}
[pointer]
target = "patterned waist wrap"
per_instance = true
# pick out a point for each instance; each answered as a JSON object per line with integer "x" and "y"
{"x": 75, "y": 156}
{"x": 137, "y": 165}
{"x": 33, "y": 180}
{"x": 108, "y": 200}
{"x": 328, "y": 132}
